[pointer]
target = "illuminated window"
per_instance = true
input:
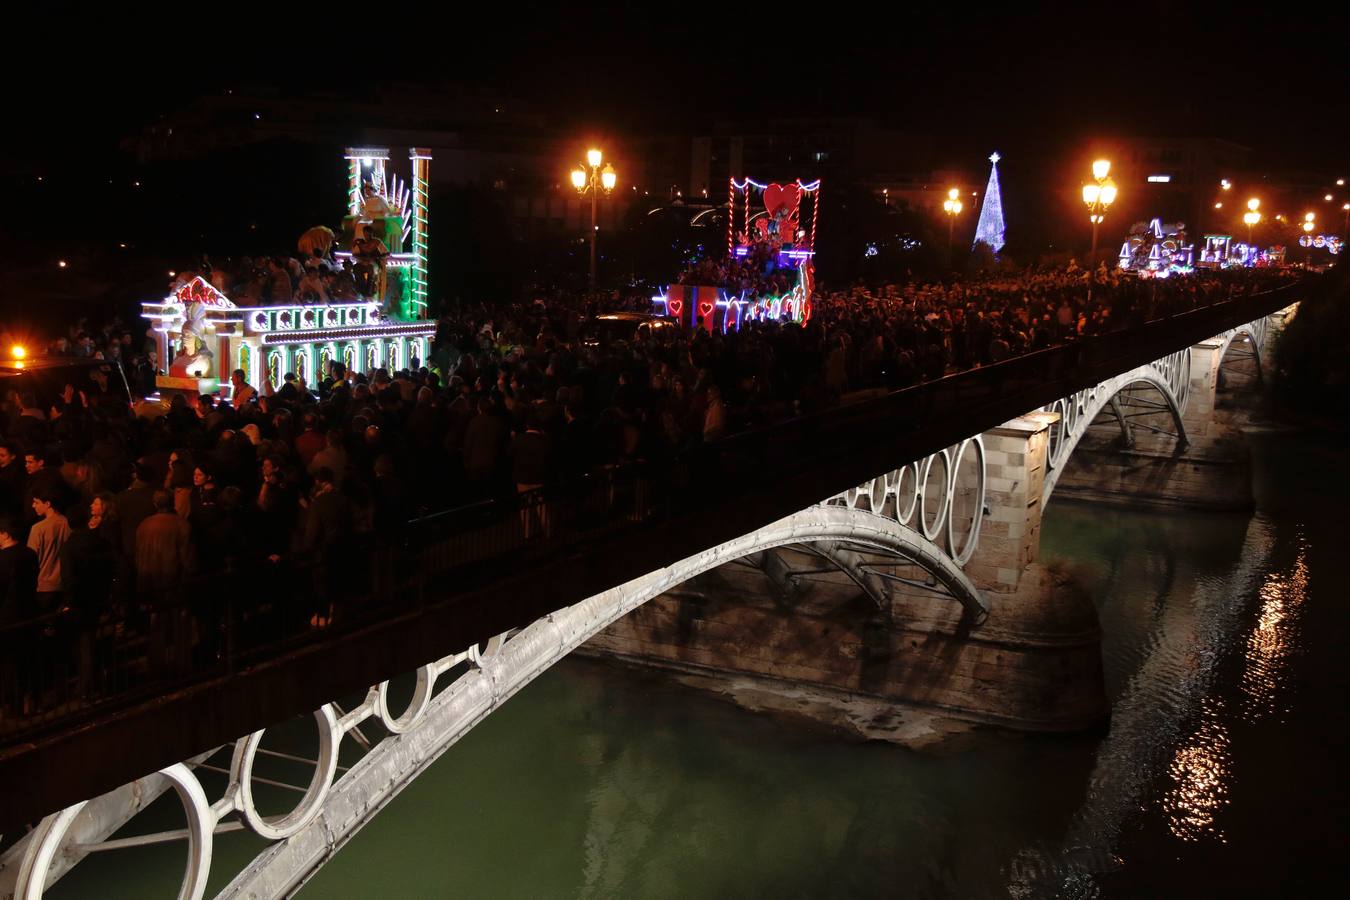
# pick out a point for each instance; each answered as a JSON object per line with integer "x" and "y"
{"x": 1160, "y": 179}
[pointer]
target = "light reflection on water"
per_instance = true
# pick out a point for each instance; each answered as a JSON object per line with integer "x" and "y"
{"x": 1274, "y": 639}
{"x": 1199, "y": 771}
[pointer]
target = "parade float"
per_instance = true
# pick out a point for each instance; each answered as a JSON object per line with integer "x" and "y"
{"x": 205, "y": 335}
{"x": 769, "y": 270}
{"x": 1157, "y": 250}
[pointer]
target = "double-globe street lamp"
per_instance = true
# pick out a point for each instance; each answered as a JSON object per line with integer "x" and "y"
{"x": 594, "y": 179}
{"x": 1098, "y": 195}
{"x": 951, "y": 206}
{"x": 1309, "y": 223}
{"x": 1251, "y": 217}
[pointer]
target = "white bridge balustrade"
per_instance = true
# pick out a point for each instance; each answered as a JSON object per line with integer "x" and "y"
{"x": 966, "y": 518}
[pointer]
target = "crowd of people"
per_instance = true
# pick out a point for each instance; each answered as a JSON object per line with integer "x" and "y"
{"x": 756, "y": 274}
{"x": 101, "y": 505}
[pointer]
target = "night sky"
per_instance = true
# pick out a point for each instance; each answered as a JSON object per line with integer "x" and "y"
{"x": 1029, "y": 82}
{"x": 1009, "y": 78}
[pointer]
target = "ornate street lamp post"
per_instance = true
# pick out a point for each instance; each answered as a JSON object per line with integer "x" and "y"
{"x": 594, "y": 179}
{"x": 1097, "y": 196}
{"x": 952, "y": 206}
{"x": 1251, "y": 217}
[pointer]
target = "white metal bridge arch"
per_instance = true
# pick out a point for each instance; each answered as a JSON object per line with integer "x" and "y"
{"x": 909, "y": 514}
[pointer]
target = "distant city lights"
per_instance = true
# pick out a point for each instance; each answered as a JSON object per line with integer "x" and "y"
{"x": 61, "y": 264}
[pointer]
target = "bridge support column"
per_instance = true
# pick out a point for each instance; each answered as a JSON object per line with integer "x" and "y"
{"x": 1205, "y": 359}
{"x": 1010, "y": 536}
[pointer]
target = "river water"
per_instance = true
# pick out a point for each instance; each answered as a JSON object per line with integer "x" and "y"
{"x": 1220, "y": 773}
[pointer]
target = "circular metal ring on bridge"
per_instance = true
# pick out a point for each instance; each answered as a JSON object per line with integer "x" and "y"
{"x": 1058, "y": 434}
{"x": 905, "y": 514}
{"x": 50, "y": 836}
{"x": 277, "y": 828}
{"x": 963, "y": 556}
{"x": 936, "y": 529}
{"x": 482, "y": 653}
{"x": 417, "y": 706}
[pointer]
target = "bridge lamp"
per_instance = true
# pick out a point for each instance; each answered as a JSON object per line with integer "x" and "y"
{"x": 1253, "y": 204}
{"x": 608, "y": 177}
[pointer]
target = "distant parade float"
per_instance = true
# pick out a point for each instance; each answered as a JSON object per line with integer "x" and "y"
{"x": 769, "y": 272}
{"x": 206, "y": 336}
{"x": 1156, "y": 250}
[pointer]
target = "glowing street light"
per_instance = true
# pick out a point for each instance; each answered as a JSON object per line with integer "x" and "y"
{"x": 1327, "y": 198}
{"x": 1226, "y": 184}
{"x": 594, "y": 179}
{"x": 1250, "y": 217}
{"x": 952, "y": 207}
{"x": 1097, "y": 196}
{"x": 1308, "y": 226}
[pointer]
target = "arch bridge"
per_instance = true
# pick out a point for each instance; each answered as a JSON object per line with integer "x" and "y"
{"x": 957, "y": 524}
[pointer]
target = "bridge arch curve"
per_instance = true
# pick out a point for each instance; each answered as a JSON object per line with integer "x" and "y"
{"x": 1169, "y": 378}
{"x": 514, "y": 660}
{"x": 1253, "y": 333}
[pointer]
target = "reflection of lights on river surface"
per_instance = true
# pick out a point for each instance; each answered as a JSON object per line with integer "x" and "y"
{"x": 1201, "y": 769}
{"x": 1199, "y": 772}
{"x": 1274, "y": 637}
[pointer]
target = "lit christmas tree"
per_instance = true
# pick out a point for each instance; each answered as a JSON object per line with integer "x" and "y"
{"x": 990, "y": 228}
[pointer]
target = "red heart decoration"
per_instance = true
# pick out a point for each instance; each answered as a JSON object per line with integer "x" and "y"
{"x": 674, "y": 306}
{"x": 782, "y": 198}
{"x": 773, "y": 199}
{"x": 705, "y": 307}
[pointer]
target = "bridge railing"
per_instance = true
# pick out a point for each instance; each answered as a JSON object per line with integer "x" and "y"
{"x": 436, "y": 583}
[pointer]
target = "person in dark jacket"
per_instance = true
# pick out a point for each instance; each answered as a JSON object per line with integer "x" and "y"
{"x": 88, "y": 569}
{"x": 18, "y": 573}
{"x": 327, "y": 541}
{"x": 18, "y": 601}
